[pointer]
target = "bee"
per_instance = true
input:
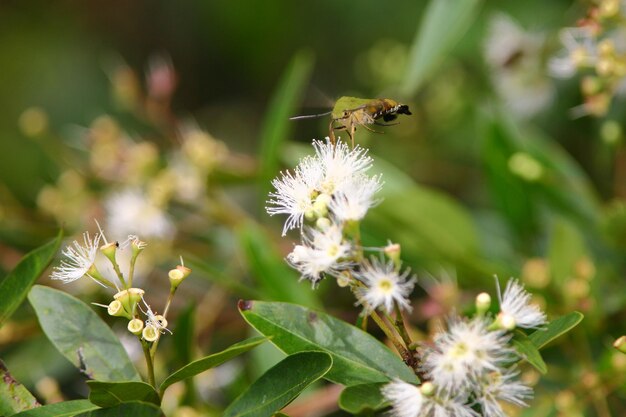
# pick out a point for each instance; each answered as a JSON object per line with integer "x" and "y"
{"x": 350, "y": 112}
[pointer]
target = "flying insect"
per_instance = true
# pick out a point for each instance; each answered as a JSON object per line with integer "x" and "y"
{"x": 350, "y": 112}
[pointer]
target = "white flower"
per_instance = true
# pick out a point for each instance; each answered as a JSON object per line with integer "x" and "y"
{"x": 515, "y": 304}
{"x": 339, "y": 164}
{"x": 407, "y": 400}
{"x": 580, "y": 51}
{"x": 383, "y": 286}
{"x": 325, "y": 173}
{"x": 131, "y": 212}
{"x": 502, "y": 387}
{"x": 355, "y": 198}
{"x": 321, "y": 252}
{"x": 295, "y": 193}
{"x": 465, "y": 352}
{"x": 79, "y": 260}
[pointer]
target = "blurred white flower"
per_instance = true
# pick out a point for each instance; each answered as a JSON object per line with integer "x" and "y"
{"x": 130, "y": 211}
{"x": 580, "y": 51}
{"x": 465, "y": 352}
{"x": 352, "y": 201}
{"x": 518, "y": 73}
{"x": 502, "y": 387}
{"x": 515, "y": 304}
{"x": 384, "y": 286}
{"x": 79, "y": 260}
{"x": 407, "y": 400}
{"x": 321, "y": 252}
{"x": 295, "y": 193}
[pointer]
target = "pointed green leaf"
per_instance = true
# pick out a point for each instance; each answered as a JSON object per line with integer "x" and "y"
{"x": 555, "y": 328}
{"x": 357, "y": 356}
{"x": 134, "y": 409}
{"x": 528, "y": 351}
{"x": 14, "y": 397}
{"x": 64, "y": 409}
{"x": 211, "y": 361}
{"x": 280, "y": 385}
{"x": 442, "y": 26}
{"x": 81, "y": 336}
{"x": 362, "y": 398}
{"x": 108, "y": 394}
{"x": 15, "y": 286}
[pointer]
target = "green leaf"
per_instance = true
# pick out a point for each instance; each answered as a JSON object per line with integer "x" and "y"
{"x": 277, "y": 124}
{"x": 81, "y": 336}
{"x": 108, "y": 394}
{"x": 442, "y": 26}
{"x": 15, "y": 286}
{"x": 277, "y": 280}
{"x": 14, "y": 397}
{"x": 362, "y": 398}
{"x": 280, "y": 385}
{"x": 528, "y": 351}
{"x": 211, "y": 361}
{"x": 555, "y": 328}
{"x": 357, "y": 356}
{"x": 134, "y": 409}
{"x": 63, "y": 409}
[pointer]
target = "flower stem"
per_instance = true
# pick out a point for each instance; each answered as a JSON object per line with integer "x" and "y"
{"x": 149, "y": 363}
{"x": 401, "y": 328}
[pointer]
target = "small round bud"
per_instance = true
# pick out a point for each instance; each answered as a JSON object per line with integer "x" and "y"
{"x": 620, "y": 344}
{"x": 483, "y": 302}
{"x": 33, "y": 122}
{"x": 605, "y": 66}
{"x": 393, "y": 251}
{"x": 309, "y": 214}
{"x": 178, "y": 275}
{"x": 427, "y": 389}
{"x": 323, "y": 223}
{"x": 135, "y": 326}
{"x": 344, "y": 279}
{"x": 150, "y": 333}
{"x": 506, "y": 321}
{"x": 320, "y": 206}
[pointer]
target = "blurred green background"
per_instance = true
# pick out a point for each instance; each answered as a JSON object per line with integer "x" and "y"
{"x": 490, "y": 175}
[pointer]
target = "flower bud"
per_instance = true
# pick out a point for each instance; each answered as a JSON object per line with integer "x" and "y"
{"x": 344, "y": 279}
{"x": 135, "y": 326}
{"x": 393, "y": 250}
{"x": 506, "y": 322}
{"x": 620, "y": 344}
{"x": 323, "y": 223}
{"x": 178, "y": 275}
{"x": 427, "y": 389}
{"x": 525, "y": 166}
{"x": 483, "y": 302}
{"x": 320, "y": 206}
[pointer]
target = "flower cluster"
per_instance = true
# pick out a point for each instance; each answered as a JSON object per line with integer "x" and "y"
{"x": 326, "y": 197}
{"x": 467, "y": 368}
{"x": 80, "y": 261}
{"x": 595, "y": 48}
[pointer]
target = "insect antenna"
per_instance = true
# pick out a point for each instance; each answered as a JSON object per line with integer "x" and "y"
{"x": 310, "y": 116}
